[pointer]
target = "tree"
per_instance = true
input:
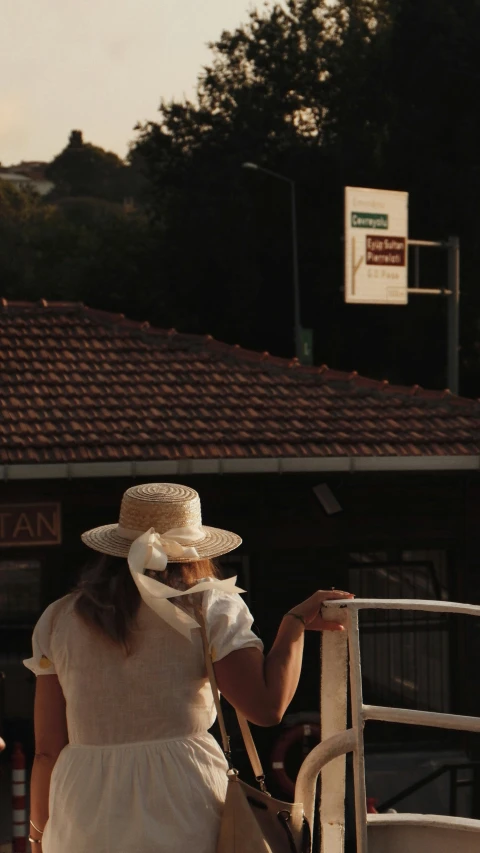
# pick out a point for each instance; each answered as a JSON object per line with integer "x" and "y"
{"x": 86, "y": 250}
{"x": 251, "y": 105}
{"x": 22, "y": 217}
{"x": 85, "y": 170}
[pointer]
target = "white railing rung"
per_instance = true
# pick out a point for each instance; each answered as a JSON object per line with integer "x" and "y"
{"x": 421, "y": 718}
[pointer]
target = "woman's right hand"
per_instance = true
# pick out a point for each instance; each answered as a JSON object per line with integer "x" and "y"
{"x": 310, "y": 610}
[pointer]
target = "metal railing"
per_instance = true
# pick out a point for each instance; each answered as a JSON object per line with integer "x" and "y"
{"x": 329, "y": 757}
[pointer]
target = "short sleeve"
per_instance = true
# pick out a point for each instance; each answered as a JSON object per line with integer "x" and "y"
{"x": 41, "y": 663}
{"x": 228, "y": 622}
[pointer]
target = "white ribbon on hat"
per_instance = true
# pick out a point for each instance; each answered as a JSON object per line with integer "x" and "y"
{"x": 151, "y": 551}
{"x": 154, "y": 549}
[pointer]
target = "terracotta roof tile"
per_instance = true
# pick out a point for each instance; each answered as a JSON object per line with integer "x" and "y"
{"x": 80, "y": 384}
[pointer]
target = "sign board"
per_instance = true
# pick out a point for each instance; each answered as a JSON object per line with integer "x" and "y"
{"x": 306, "y": 337}
{"x": 30, "y": 524}
{"x": 376, "y": 246}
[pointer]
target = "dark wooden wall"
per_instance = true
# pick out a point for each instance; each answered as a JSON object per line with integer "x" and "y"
{"x": 293, "y": 546}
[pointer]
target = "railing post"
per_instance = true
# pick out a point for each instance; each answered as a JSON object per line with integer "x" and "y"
{"x": 333, "y": 719}
{"x": 357, "y": 724}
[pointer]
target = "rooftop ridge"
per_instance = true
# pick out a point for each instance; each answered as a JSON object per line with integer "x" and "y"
{"x": 236, "y": 351}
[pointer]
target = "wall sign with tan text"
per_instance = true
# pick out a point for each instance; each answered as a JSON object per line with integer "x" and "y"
{"x": 30, "y": 524}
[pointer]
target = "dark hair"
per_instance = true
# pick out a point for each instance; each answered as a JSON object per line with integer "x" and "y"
{"x": 108, "y": 599}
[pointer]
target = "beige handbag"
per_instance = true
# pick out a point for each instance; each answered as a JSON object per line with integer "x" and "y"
{"x": 252, "y": 820}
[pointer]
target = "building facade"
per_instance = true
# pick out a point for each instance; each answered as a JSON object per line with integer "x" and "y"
{"x": 331, "y": 479}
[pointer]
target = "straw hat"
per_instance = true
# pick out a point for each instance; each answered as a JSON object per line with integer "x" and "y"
{"x": 169, "y": 509}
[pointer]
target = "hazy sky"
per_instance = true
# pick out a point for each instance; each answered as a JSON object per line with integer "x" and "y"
{"x": 98, "y": 66}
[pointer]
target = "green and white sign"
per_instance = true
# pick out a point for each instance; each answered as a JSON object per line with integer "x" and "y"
{"x": 369, "y": 220}
{"x": 376, "y": 244}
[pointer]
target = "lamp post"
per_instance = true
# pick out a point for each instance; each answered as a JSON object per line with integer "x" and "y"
{"x": 297, "y": 328}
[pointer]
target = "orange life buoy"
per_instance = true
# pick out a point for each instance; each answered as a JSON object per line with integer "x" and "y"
{"x": 302, "y": 732}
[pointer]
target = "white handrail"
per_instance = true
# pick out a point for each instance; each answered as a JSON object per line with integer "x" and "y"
{"x": 434, "y": 719}
{"x": 406, "y": 604}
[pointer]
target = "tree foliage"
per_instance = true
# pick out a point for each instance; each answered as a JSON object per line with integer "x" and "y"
{"x": 85, "y": 170}
{"x": 86, "y": 250}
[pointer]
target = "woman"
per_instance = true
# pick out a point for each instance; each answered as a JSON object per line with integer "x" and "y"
{"x": 123, "y": 707}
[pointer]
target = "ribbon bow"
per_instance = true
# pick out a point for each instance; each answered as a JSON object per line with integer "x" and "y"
{"x": 154, "y": 549}
{"x": 151, "y": 551}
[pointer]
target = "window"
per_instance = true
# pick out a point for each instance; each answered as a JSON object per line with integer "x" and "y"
{"x": 405, "y": 655}
{"x": 19, "y": 591}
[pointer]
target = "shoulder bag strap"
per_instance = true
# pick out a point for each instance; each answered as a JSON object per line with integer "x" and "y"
{"x": 213, "y": 684}
{"x": 242, "y": 721}
{"x": 251, "y": 749}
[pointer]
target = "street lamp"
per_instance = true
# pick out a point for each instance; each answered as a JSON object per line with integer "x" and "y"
{"x": 297, "y": 328}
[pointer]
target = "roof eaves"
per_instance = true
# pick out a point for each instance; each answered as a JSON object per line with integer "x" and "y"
{"x": 42, "y": 306}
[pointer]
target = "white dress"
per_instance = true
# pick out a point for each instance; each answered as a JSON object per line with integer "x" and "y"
{"x": 141, "y": 773}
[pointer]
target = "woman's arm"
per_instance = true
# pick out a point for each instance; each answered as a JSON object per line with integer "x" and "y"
{"x": 50, "y": 738}
{"x": 262, "y": 688}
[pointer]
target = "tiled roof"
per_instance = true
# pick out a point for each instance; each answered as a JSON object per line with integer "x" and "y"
{"x": 82, "y": 385}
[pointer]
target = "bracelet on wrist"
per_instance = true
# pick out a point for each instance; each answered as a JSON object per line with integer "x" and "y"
{"x": 297, "y": 616}
{"x": 34, "y": 840}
